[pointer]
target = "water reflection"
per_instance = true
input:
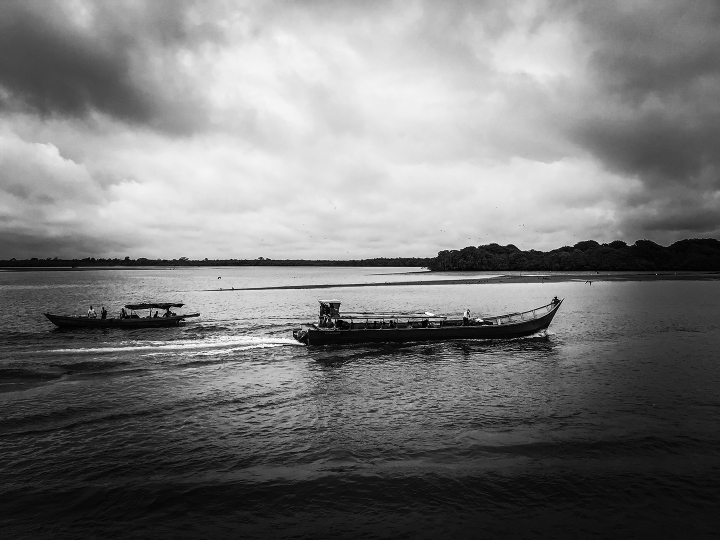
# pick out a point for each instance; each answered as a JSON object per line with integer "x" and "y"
{"x": 333, "y": 356}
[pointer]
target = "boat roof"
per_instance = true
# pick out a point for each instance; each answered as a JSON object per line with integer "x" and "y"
{"x": 330, "y": 301}
{"x": 154, "y": 305}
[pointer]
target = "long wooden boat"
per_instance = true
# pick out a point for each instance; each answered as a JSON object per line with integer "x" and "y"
{"x": 334, "y": 328}
{"x": 131, "y": 320}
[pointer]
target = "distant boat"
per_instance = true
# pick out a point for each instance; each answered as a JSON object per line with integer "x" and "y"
{"x": 131, "y": 320}
{"x": 336, "y": 328}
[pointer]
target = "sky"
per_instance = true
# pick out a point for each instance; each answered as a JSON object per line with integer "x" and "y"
{"x": 312, "y": 129}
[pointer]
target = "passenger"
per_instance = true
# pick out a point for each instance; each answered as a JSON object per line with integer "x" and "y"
{"x": 466, "y": 317}
{"x": 167, "y": 313}
{"x": 425, "y": 323}
{"x": 123, "y": 313}
{"x": 555, "y": 301}
{"x": 103, "y": 313}
{"x": 156, "y": 315}
{"x": 91, "y": 313}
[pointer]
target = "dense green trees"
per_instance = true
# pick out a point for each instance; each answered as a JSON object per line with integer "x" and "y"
{"x": 696, "y": 254}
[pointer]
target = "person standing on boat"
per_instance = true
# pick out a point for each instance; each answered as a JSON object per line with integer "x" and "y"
{"x": 91, "y": 313}
{"x": 466, "y": 317}
{"x": 103, "y": 313}
{"x": 123, "y": 313}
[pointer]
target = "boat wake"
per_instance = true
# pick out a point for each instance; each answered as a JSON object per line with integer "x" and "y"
{"x": 209, "y": 344}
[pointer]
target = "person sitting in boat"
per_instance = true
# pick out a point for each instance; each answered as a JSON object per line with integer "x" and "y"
{"x": 555, "y": 301}
{"x": 156, "y": 315}
{"x": 91, "y": 313}
{"x": 466, "y": 317}
{"x": 103, "y": 313}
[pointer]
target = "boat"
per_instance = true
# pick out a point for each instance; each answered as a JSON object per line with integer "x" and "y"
{"x": 335, "y": 328}
{"x": 129, "y": 320}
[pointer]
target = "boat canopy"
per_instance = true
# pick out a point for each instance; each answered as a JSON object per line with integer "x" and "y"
{"x": 329, "y": 308}
{"x": 156, "y": 305}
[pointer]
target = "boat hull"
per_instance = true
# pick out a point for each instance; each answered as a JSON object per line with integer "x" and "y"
{"x": 334, "y": 336}
{"x": 64, "y": 321}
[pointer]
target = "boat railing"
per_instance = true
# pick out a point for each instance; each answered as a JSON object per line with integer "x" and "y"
{"x": 511, "y": 318}
{"x": 389, "y": 316}
{"x": 508, "y": 318}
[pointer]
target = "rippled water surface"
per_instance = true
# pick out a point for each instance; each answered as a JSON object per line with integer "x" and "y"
{"x": 227, "y": 428}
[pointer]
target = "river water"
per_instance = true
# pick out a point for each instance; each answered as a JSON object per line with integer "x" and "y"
{"x": 227, "y": 428}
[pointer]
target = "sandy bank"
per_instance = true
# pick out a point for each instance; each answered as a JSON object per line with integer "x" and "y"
{"x": 585, "y": 277}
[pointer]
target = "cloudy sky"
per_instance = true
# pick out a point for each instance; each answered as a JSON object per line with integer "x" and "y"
{"x": 348, "y": 129}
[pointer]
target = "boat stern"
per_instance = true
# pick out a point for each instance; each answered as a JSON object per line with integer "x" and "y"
{"x": 301, "y": 335}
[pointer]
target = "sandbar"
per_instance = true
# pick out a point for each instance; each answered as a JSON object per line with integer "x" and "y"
{"x": 585, "y": 277}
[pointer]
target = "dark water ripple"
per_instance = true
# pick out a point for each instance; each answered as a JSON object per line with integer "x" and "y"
{"x": 604, "y": 427}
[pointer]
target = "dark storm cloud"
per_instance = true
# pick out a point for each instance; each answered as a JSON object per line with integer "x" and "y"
{"x": 653, "y": 145}
{"x": 53, "y": 69}
{"x": 24, "y": 245}
{"x": 54, "y": 64}
{"x": 656, "y": 70}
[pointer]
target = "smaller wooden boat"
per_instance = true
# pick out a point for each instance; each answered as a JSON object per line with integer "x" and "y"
{"x": 336, "y": 328}
{"x": 129, "y": 319}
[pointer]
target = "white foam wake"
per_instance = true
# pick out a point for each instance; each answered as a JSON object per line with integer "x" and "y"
{"x": 216, "y": 343}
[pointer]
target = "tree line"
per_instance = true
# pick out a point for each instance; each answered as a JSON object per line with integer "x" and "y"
{"x": 693, "y": 254}
{"x": 55, "y": 262}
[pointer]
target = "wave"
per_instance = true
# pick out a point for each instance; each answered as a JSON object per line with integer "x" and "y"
{"x": 8, "y": 375}
{"x": 76, "y": 367}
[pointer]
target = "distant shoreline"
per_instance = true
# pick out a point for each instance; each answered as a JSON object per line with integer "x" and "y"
{"x": 535, "y": 278}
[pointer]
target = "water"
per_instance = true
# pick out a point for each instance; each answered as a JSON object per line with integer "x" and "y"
{"x": 227, "y": 428}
